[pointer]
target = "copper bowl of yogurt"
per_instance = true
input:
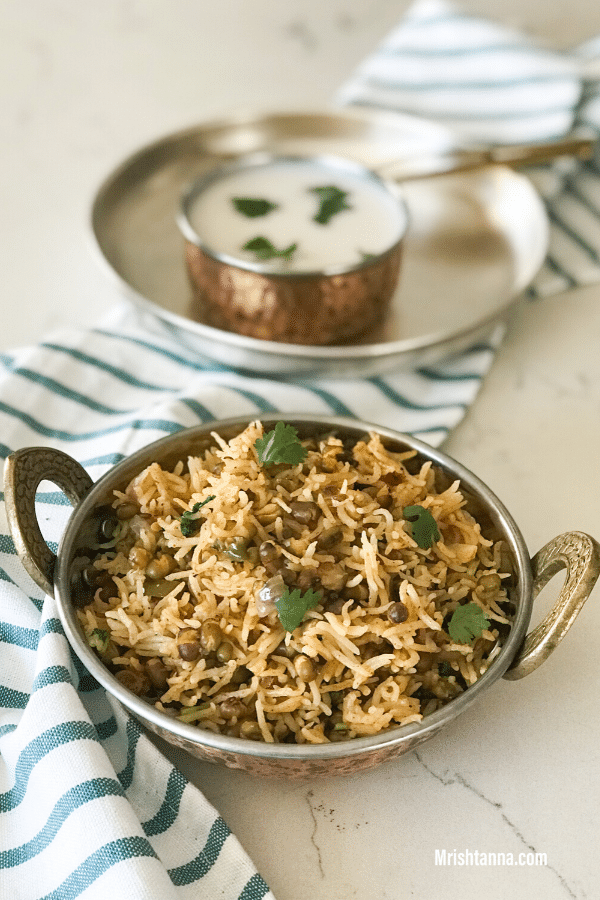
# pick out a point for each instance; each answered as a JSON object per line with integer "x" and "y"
{"x": 301, "y": 250}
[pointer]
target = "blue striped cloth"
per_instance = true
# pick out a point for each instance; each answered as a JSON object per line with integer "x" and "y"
{"x": 88, "y": 807}
{"x": 491, "y": 84}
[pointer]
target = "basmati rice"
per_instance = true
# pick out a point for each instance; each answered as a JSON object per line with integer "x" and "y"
{"x": 179, "y": 612}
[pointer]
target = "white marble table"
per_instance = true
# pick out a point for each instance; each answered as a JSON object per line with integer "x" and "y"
{"x": 83, "y": 85}
{"x": 519, "y": 773}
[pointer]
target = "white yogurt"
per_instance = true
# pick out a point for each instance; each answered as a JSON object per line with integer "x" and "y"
{"x": 374, "y": 221}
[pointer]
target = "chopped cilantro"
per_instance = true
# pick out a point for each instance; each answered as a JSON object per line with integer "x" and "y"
{"x": 467, "y": 623}
{"x": 189, "y": 520}
{"x": 293, "y": 605}
{"x": 99, "y": 640}
{"x": 264, "y": 249}
{"x": 281, "y": 445}
{"x": 252, "y": 207}
{"x": 331, "y": 201}
{"x": 423, "y": 526}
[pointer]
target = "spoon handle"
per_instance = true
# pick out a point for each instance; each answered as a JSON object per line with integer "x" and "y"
{"x": 580, "y": 147}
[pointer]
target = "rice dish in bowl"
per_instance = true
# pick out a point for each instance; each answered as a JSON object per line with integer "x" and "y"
{"x": 293, "y": 591}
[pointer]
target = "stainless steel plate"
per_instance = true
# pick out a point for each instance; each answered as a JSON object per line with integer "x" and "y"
{"x": 476, "y": 239}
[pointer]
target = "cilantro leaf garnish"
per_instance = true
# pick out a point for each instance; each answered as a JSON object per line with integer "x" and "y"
{"x": 331, "y": 201}
{"x": 467, "y": 623}
{"x": 293, "y": 606}
{"x": 281, "y": 445}
{"x": 423, "y": 526}
{"x": 252, "y": 207}
{"x": 264, "y": 249}
{"x": 99, "y": 640}
{"x": 190, "y": 520}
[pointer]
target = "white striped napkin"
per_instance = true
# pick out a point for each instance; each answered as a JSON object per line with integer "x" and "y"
{"x": 88, "y": 806}
{"x": 492, "y": 84}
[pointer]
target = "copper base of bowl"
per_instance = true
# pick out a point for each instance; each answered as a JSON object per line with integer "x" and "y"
{"x": 312, "y": 309}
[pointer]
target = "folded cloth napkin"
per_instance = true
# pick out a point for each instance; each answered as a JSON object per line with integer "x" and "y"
{"x": 88, "y": 806}
{"x": 493, "y": 85}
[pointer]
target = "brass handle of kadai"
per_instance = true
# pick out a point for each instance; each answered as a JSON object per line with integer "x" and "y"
{"x": 23, "y": 472}
{"x": 579, "y": 554}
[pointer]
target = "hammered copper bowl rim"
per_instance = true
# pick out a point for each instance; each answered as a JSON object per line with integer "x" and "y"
{"x": 193, "y": 189}
{"x": 185, "y": 439}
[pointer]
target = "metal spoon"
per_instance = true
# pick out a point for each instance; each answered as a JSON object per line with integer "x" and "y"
{"x": 579, "y": 146}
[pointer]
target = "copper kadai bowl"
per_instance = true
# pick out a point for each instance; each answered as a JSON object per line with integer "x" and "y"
{"x": 521, "y": 653}
{"x": 330, "y": 306}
